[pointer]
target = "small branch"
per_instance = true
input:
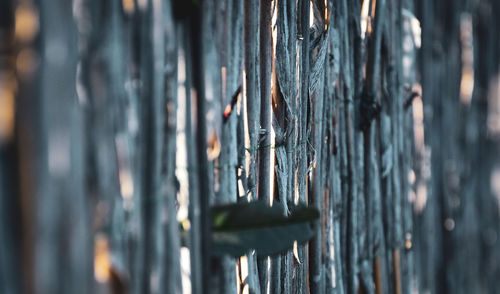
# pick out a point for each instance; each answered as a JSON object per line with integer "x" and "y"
{"x": 230, "y": 107}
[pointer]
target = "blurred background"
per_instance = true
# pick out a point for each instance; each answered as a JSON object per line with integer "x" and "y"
{"x": 123, "y": 121}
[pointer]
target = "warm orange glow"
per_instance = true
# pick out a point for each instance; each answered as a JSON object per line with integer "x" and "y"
{"x": 466, "y": 85}
{"x": 365, "y": 19}
{"x": 128, "y": 6}
{"x": 411, "y": 177}
{"x": 408, "y": 243}
{"x": 7, "y": 105}
{"x": 124, "y": 172}
{"x": 213, "y": 146}
{"x": 227, "y": 111}
{"x": 327, "y": 16}
{"x": 244, "y": 267}
{"x": 421, "y": 200}
{"x": 296, "y": 252}
{"x": 126, "y": 183}
{"x": 418, "y": 121}
{"x": 27, "y": 24}
{"x": 223, "y": 74}
{"x": 8, "y": 87}
{"x": 102, "y": 260}
{"x": 26, "y": 62}
{"x": 467, "y": 82}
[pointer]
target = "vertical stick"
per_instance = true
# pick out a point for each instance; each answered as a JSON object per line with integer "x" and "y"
{"x": 204, "y": 171}
{"x": 378, "y": 275}
{"x": 251, "y": 28}
{"x": 397, "y": 273}
{"x": 194, "y": 201}
{"x": 301, "y": 275}
{"x": 265, "y": 121}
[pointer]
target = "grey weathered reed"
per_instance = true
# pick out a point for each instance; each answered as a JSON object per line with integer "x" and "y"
{"x": 264, "y": 154}
{"x": 251, "y": 30}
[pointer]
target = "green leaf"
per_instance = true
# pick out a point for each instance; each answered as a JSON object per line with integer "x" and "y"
{"x": 240, "y": 227}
